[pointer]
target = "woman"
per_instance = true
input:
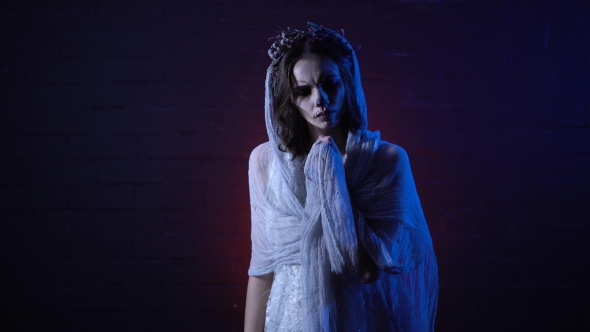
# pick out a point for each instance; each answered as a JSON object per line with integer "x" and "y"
{"x": 339, "y": 240}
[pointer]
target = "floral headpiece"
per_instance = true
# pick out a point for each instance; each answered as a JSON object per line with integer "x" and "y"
{"x": 285, "y": 40}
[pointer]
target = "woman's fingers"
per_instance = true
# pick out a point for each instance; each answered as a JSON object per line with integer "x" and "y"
{"x": 324, "y": 138}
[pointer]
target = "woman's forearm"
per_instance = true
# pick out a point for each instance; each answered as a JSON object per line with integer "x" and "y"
{"x": 256, "y": 299}
{"x": 366, "y": 269}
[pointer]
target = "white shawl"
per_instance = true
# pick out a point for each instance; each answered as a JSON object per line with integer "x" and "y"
{"x": 301, "y": 214}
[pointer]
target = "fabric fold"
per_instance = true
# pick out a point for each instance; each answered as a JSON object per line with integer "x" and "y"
{"x": 329, "y": 242}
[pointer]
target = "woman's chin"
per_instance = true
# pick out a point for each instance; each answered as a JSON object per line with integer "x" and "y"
{"x": 324, "y": 125}
{"x": 325, "y": 122}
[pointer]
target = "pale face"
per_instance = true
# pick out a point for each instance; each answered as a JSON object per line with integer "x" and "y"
{"x": 318, "y": 92}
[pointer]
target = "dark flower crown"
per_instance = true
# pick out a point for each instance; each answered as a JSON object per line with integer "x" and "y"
{"x": 315, "y": 33}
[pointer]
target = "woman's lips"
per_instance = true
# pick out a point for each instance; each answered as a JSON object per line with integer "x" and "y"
{"x": 323, "y": 114}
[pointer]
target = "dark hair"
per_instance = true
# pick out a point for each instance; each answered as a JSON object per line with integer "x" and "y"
{"x": 292, "y": 127}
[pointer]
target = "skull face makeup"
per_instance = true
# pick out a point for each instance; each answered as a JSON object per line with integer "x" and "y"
{"x": 318, "y": 92}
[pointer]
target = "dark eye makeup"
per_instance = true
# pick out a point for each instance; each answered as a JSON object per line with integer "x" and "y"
{"x": 327, "y": 84}
{"x": 302, "y": 90}
{"x": 330, "y": 82}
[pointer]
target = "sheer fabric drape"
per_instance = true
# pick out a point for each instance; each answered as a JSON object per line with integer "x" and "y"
{"x": 323, "y": 241}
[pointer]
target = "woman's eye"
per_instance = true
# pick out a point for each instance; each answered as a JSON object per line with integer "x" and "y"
{"x": 329, "y": 85}
{"x": 302, "y": 91}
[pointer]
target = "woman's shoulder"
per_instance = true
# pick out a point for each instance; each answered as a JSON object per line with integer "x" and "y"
{"x": 390, "y": 153}
{"x": 391, "y": 159}
{"x": 261, "y": 156}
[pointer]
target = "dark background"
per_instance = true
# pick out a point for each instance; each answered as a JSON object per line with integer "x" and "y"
{"x": 126, "y": 128}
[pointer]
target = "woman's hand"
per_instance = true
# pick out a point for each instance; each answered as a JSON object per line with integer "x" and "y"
{"x": 330, "y": 141}
{"x": 325, "y": 139}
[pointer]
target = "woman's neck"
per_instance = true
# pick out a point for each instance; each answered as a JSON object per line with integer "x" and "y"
{"x": 338, "y": 133}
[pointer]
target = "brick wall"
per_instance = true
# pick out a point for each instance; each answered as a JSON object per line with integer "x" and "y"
{"x": 126, "y": 128}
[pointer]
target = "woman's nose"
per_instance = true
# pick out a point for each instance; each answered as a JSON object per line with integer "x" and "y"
{"x": 322, "y": 98}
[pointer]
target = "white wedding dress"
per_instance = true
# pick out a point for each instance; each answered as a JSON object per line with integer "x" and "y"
{"x": 284, "y": 307}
